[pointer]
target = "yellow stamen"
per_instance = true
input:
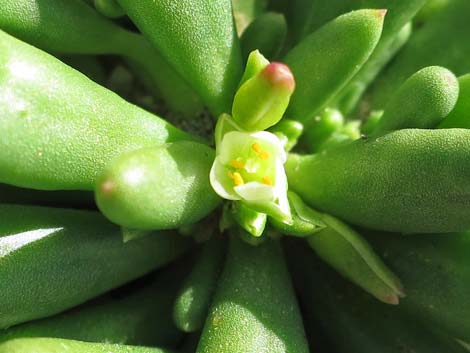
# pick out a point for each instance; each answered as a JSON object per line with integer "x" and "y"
{"x": 237, "y": 164}
{"x": 267, "y": 180}
{"x": 256, "y": 147}
{"x": 264, "y": 155}
{"x": 237, "y": 179}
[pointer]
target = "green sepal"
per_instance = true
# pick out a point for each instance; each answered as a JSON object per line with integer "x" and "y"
{"x": 271, "y": 209}
{"x": 255, "y": 64}
{"x": 250, "y": 220}
{"x": 248, "y": 238}
{"x": 305, "y": 220}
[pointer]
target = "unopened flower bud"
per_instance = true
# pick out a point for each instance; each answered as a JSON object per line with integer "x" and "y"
{"x": 262, "y": 100}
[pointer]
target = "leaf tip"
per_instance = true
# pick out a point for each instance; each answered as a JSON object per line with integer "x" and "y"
{"x": 107, "y": 187}
{"x": 391, "y": 299}
{"x": 381, "y": 13}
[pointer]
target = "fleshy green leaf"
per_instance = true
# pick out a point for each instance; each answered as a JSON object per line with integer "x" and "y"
{"x": 198, "y": 38}
{"x": 328, "y": 58}
{"x": 350, "y": 254}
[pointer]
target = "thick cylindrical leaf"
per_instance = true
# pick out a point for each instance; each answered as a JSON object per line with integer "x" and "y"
{"x": 443, "y": 41}
{"x": 138, "y": 316}
{"x": 435, "y": 270}
{"x": 198, "y": 38}
{"x": 61, "y": 258}
{"x": 193, "y": 301}
{"x": 311, "y": 15}
{"x": 59, "y": 129}
{"x": 57, "y": 345}
{"x": 327, "y": 59}
{"x": 426, "y": 98}
{"x": 158, "y": 187}
{"x": 352, "y": 256}
{"x": 386, "y": 49}
{"x": 71, "y": 26}
{"x": 254, "y": 308}
{"x": 412, "y": 181}
{"x": 354, "y": 322}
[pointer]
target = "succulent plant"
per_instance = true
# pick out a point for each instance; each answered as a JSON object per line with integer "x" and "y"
{"x": 219, "y": 176}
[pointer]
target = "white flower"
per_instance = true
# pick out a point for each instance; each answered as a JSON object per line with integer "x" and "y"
{"x": 250, "y": 167}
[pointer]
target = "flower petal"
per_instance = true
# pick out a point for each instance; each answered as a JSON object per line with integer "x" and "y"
{"x": 255, "y": 191}
{"x": 221, "y": 182}
{"x": 234, "y": 144}
{"x": 272, "y": 143}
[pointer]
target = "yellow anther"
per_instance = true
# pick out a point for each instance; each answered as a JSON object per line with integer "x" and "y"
{"x": 237, "y": 164}
{"x": 237, "y": 179}
{"x": 256, "y": 147}
{"x": 264, "y": 155}
{"x": 267, "y": 180}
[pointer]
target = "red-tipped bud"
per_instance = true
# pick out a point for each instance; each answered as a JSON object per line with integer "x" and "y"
{"x": 280, "y": 76}
{"x": 262, "y": 100}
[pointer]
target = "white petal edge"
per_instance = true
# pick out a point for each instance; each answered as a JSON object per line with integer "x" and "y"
{"x": 255, "y": 191}
{"x": 217, "y": 176}
{"x": 274, "y": 141}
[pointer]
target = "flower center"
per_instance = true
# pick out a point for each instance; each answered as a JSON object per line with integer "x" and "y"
{"x": 253, "y": 168}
